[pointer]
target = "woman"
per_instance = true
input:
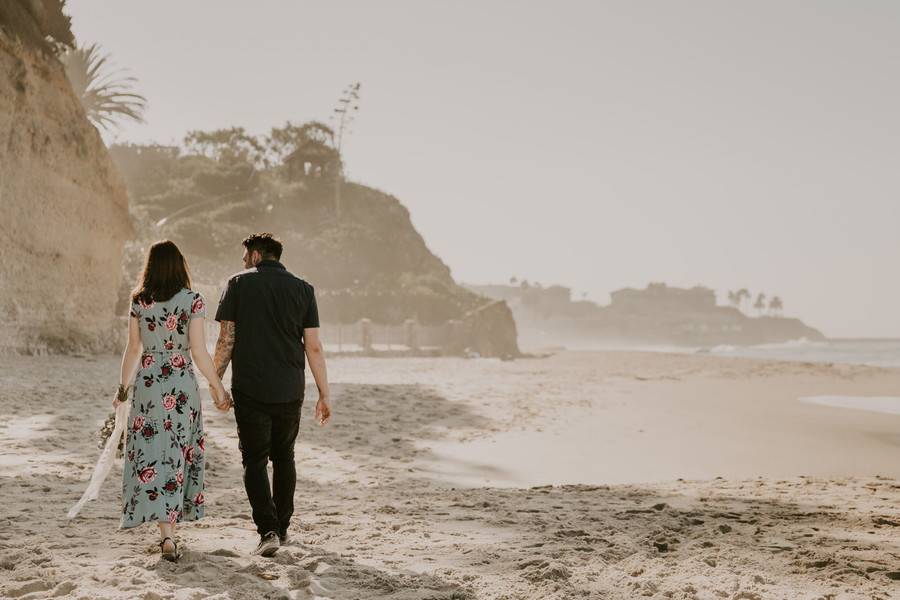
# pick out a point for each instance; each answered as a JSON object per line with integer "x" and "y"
{"x": 163, "y": 473}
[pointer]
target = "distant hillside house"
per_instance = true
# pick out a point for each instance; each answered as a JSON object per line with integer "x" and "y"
{"x": 312, "y": 159}
{"x": 660, "y": 297}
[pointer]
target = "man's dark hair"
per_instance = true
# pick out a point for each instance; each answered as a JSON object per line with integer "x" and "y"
{"x": 266, "y": 244}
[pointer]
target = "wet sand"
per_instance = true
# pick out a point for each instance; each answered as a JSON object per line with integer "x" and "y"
{"x": 433, "y": 481}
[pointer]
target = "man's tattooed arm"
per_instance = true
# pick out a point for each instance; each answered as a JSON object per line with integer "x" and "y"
{"x": 224, "y": 346}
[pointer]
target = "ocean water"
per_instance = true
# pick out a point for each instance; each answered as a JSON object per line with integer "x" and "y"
{"x": 874, "y": 352}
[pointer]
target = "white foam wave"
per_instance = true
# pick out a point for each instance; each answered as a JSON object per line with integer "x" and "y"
{"x": 881, "y": 404}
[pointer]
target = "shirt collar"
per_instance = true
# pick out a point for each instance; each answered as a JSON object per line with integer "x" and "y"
{"x": 270, "y": 263}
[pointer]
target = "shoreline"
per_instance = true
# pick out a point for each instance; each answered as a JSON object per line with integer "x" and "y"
{"x": 887, "y": 405}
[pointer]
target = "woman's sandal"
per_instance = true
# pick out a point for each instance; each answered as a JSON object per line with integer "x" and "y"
{"x": 172, "y": 556}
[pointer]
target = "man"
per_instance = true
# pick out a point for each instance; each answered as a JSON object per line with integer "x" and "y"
{"x": 268, "y": 317}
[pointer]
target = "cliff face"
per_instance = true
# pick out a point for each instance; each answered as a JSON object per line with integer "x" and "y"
{"x": 65, "y": 211}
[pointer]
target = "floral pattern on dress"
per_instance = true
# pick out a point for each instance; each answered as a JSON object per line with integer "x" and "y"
{"x": 164, "y": 453}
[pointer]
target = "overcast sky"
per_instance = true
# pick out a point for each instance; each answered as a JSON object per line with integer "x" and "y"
{"x": 593, "y": 144}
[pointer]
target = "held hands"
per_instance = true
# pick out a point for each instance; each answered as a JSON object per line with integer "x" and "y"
{"x": 227, "y": 401}
{"x": 323, "y": 410}
{"x": 221, "y": 398}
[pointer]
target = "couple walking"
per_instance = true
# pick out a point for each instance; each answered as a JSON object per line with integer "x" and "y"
{"x": 268, "y": 321}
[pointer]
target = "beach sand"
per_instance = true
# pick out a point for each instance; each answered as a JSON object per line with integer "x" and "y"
{"x": 581, "y": 475}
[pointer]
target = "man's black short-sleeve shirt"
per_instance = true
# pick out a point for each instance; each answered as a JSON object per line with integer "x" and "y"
{"x": 270, "y": 308}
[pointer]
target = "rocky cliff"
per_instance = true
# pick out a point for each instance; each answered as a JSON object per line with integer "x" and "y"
{"x": 65, "y": 209}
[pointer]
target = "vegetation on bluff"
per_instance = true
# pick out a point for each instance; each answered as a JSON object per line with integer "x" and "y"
{"x": 37, "y": 24}
{"x": 366, "y": 262}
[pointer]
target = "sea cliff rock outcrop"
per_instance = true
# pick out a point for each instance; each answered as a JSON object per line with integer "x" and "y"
{"x": 366, "y": 262}
{"x": 65, "y": 208}
{"x": 489, "y": 330}
{"x": 657, "y": 315}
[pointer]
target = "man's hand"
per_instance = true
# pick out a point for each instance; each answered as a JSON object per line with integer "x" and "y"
{"x": 224, "y": 402}
{"x": 323, "y": 410}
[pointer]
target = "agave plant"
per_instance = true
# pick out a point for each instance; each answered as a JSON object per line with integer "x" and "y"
{"x": 106, "y": 96}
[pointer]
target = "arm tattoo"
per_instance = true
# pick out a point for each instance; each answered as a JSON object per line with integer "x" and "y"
{"x": 224, "y": 346}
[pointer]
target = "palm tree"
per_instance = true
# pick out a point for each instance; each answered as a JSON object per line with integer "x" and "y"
{"x": 741, "y": 294}
{"x": 733, "y": 299}
{"x": 775, "y": 305}
{"x": 760, "y": 304}
{"x": 106, "y": 96}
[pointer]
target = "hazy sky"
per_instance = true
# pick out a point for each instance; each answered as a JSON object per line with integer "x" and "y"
{"x": 593, "y": 144}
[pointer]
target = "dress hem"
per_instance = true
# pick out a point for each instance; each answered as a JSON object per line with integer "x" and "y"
{"x": 179, "y": 520}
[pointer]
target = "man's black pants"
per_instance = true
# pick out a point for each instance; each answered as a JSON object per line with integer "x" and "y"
{"x": 268, "y": 432}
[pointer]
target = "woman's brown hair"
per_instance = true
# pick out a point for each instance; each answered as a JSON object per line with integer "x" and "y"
{"x": 165, "y": 273}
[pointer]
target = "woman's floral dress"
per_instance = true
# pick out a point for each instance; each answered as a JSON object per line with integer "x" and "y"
{"x": 163, "y": 475}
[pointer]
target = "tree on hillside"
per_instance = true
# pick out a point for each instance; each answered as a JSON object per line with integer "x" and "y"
{"x": 776, "y": 306}
{"x": 229, "y": 146}
{"x": 107, "y": 96}
{"x": 760, "y": 304}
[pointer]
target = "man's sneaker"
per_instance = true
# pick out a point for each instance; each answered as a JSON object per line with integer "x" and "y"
{"x": 283, "y": 538}
{"x": 268, "y": 544}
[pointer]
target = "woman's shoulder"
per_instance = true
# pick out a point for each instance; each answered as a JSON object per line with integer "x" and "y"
{"x": 139, "y": 302}
{"x": 195, "y": 301}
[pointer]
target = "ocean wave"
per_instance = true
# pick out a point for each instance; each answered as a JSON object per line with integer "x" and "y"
{"x": 798, "y": 343}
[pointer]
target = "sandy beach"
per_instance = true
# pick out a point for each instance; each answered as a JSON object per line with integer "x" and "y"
{"x": 581, "y": 475}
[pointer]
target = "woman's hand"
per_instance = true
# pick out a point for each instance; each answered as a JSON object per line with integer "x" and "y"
{"x": 120, "y": 396}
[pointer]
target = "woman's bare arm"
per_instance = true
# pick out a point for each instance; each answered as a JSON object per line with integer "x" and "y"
{"x": 201, "y": 357}
{"x": 131, "y": 357}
